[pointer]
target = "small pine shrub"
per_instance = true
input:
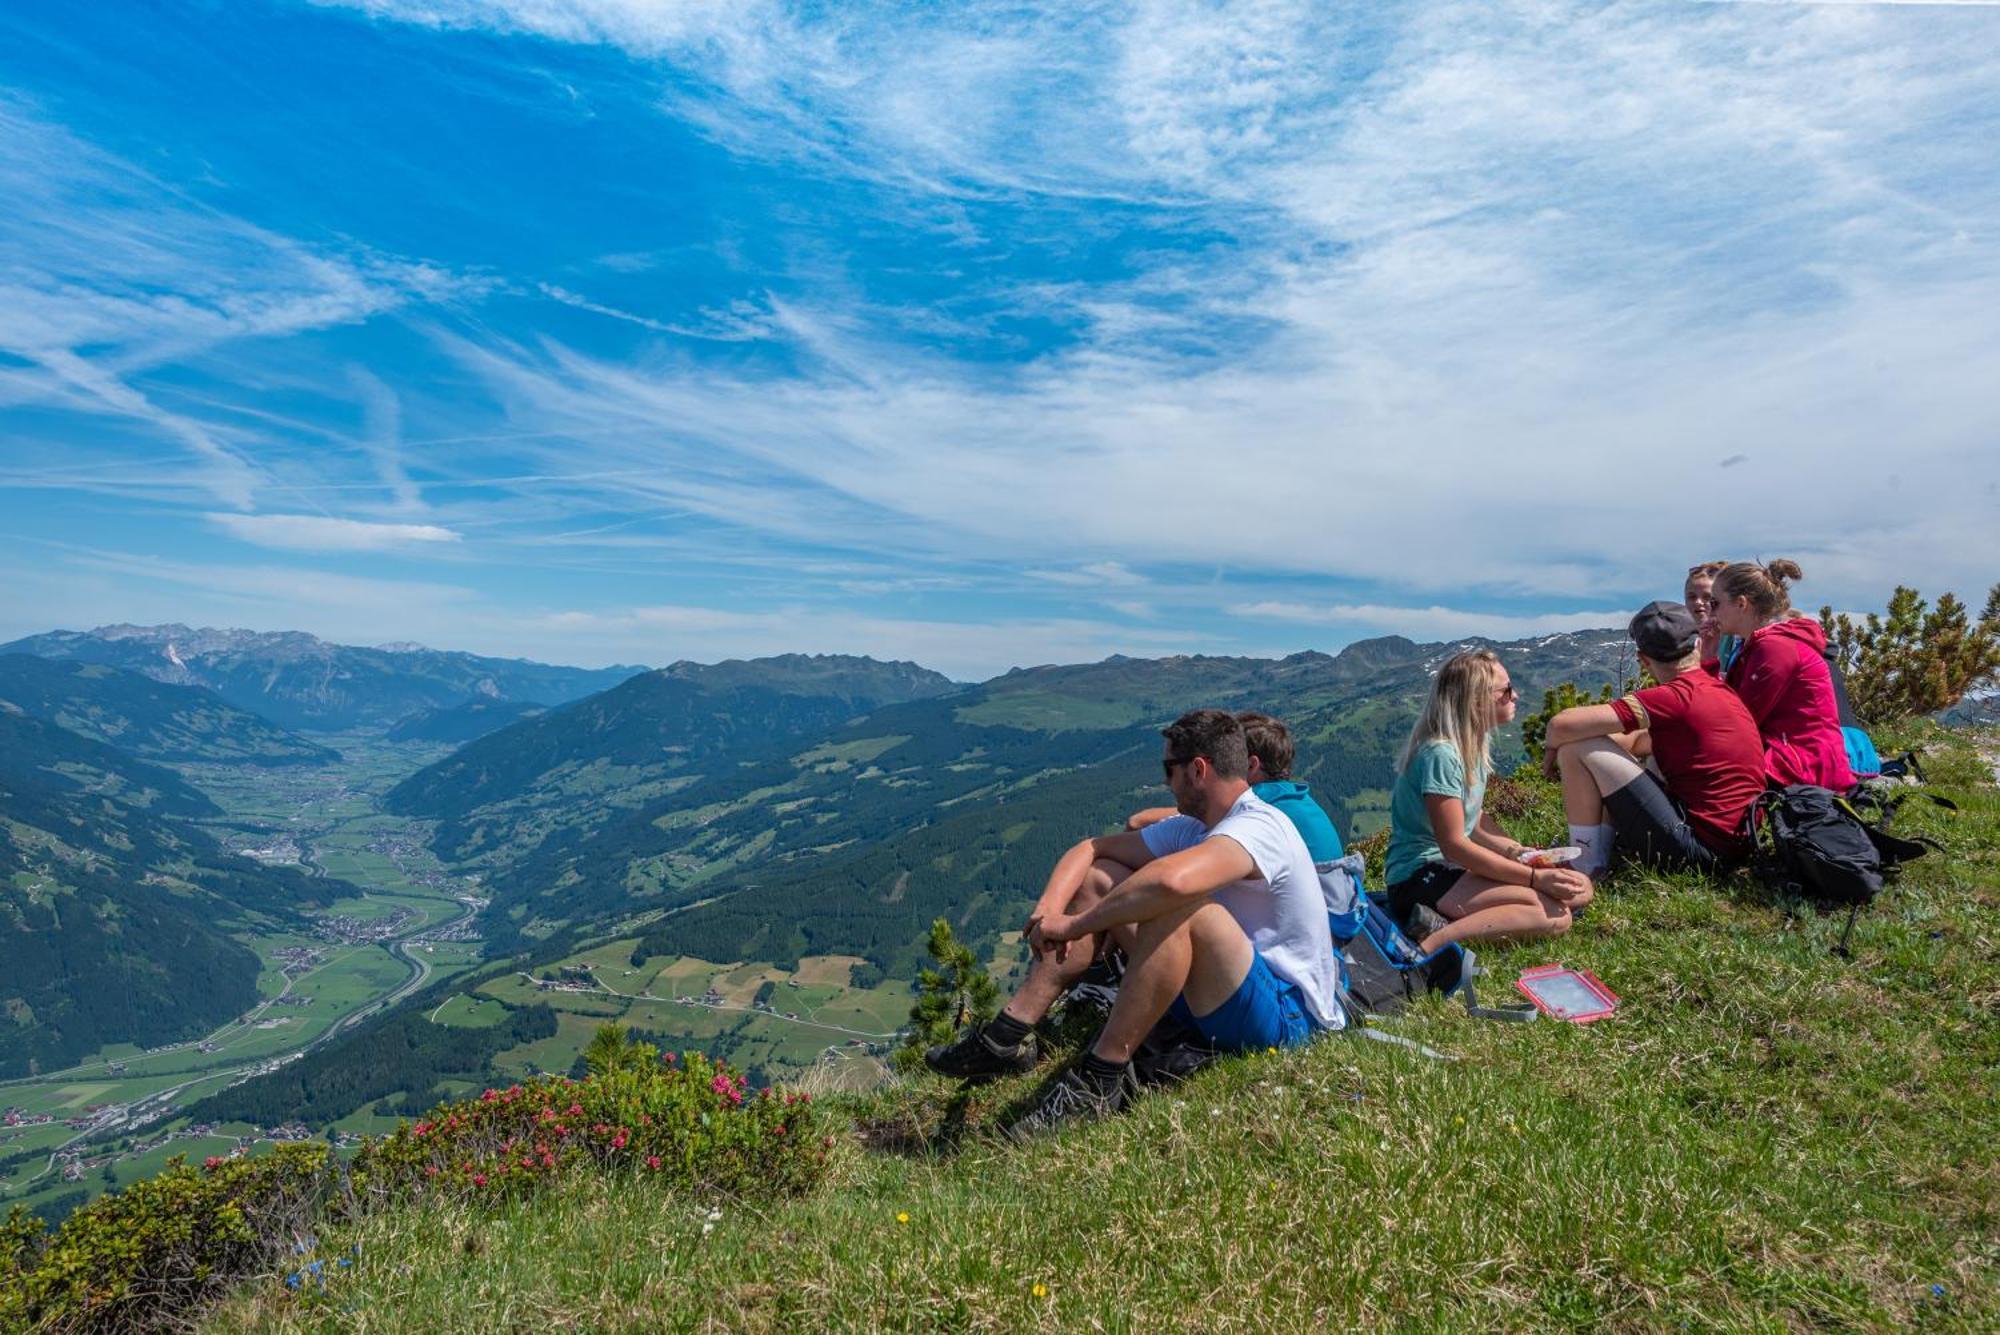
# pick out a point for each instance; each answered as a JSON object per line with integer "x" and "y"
{"x": 683, "y": 1123}
{"x": 1917, "y": 659}
{"x": 154, "y": 1253}
{"x": 959, "y": 991}
{"x": 1374, "y": 850}
{"x": 1566, "y": 695}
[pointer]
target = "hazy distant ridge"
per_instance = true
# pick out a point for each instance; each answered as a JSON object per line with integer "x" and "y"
{"x": 301, "y": 681}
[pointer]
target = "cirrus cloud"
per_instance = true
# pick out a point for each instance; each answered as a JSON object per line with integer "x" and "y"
{"x": 321, "y": 533}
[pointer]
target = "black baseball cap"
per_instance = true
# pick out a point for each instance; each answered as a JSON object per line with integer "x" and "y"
{"x": 1664, "y": 632}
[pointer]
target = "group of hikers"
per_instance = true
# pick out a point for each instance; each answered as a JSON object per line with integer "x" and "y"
{"x": 1226, "y": 908}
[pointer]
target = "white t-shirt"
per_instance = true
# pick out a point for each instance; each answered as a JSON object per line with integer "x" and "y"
{"x": 1280, "y": 909}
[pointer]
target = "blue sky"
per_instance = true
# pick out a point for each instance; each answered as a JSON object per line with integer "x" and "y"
{"x": 618, "y": 330}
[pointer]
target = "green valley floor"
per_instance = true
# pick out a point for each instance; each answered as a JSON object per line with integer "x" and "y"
{"x": 1767, "y": 1136}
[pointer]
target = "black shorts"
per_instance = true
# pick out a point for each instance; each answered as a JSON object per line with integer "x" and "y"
{"x": 1426, "y": 886}
{"x": 1653, "y": 828}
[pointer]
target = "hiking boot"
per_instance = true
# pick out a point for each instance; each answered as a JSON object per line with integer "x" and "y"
{"x": 974, "y": 1056}
{"x": 1423, "y": 922}
{"x": 1073, "y": 1099}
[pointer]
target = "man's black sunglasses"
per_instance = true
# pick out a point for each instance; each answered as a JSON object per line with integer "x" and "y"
{"x": 1167, "y": 767}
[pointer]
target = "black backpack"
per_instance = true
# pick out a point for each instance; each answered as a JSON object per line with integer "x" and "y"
{"x": 1814, "y": 843}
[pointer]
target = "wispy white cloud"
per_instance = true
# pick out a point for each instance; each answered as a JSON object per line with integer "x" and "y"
{"x": 107, "y": 271}
{"x": 1429, "y": 623}
{"x": 303, "y": 589}
{"x": 382, "y": 422}
{"x": 319, "y": 533}
{"x": 1502, "y": 281}
{"x": 1097, "y": 574}
{"x": 739, "y": 323}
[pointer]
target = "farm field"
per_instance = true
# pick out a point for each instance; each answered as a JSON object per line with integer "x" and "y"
{"x": 771, "y": 1021}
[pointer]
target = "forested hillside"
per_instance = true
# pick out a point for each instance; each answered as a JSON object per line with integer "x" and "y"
{"x": 458, "y": 724}
{"x": 115, "y": 907}
{"x": 401, "y": 1052}
{"x": 150, "y": 719}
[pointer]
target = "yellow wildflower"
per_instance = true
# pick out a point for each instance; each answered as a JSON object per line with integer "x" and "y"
{"x": 902, "y": 1216}
{"x": 1040, "y": 1290}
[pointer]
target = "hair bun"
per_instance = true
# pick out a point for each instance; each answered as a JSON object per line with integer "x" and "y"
{"x": 1783, "y": 572}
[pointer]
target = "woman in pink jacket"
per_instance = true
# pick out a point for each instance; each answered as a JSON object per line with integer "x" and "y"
{"x": 1781, "y": 674}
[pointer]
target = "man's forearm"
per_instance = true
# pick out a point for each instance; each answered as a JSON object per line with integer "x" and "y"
{"x": 1142, "y": 897}
{"x": 1562, "y": 731}
{"x": 1066, "y": 879}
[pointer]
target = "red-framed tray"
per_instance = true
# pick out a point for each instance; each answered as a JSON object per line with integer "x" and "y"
{"x": 1569, "y": 994}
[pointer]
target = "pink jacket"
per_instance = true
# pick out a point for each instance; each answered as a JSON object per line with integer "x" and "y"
{"x": 1782, "y": 676}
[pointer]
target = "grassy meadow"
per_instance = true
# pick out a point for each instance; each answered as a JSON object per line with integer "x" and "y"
{"x": 1766, "y": 1137}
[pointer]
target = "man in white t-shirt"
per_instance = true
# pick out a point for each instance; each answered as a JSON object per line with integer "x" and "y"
{"x": 1220, "y": 915}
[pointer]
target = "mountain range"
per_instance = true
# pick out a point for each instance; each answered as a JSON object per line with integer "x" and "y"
{"x": 805, "y": 824}
{"x": 299, "y": 681}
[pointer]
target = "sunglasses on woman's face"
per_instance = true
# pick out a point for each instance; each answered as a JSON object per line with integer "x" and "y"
{"x": 1508, "y": 692}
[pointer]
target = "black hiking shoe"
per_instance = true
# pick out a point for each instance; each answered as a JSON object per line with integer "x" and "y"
{"x": 1423, "y": 922}
{"x": 1072, "y": 1098}
{"x": 974, "y": 1056}
{"x": 1170, "y": 1054}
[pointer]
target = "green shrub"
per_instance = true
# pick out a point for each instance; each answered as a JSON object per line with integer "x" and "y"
{"x": 1563, "y": 696}
{"x": 959, "y": 991}
{"x": 152, "y": 1254}
{"x": 682, "y": 1122}
{"x": 155, "y": 1253}
{"x": 1917, "y": 659}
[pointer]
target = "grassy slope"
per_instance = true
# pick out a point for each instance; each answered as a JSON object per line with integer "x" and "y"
{"x": 1766, "y": 1137}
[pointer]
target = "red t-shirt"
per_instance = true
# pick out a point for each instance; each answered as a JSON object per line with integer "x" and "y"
{"x": 1708, "y": 750}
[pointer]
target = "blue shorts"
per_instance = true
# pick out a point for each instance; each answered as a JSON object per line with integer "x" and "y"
{"x": 1265, "y": 1012}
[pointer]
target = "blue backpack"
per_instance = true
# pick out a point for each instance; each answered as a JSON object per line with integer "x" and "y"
{"x": 1861, "y": 757}
{"x": 1382, "y": 971}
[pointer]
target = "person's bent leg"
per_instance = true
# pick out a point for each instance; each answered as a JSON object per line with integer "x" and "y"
{"x": 1199, "y": 952}
{"x": 1483, "y": 910}
{"x": 1582, "y": 803}
{"x": 1199, "y": 947}
{"x": 1048, "y": 977}
{"x": 1592, "y": 769}
{"x": 1653, "y": 830}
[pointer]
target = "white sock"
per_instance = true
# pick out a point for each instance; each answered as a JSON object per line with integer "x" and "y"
{"x": 1595, "y": 841}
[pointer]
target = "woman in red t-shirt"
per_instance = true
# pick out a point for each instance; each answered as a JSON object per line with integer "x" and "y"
{"x": 1782, "y": 675}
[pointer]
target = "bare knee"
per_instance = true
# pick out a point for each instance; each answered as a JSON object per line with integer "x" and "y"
{"x": 1149, "y": 934}
{"x": 1103, "y": 876}
{"x": 1196, "y": 924}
